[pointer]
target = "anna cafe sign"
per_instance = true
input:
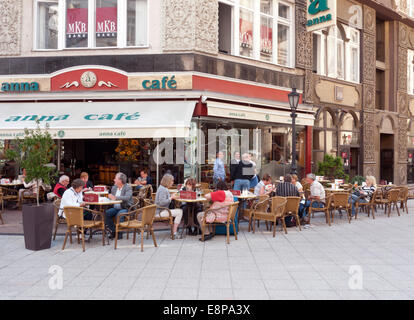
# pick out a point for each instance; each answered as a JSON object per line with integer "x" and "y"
{"x": 320, "y": 14}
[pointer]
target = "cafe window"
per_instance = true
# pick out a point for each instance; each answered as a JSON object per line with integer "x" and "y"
{"x": 71, "y": 24}
{"x": 337, "y": 53}
{"x": 263, "y": 30}
{"x": 410, "y": 8}
{"x": 349, "y": 130}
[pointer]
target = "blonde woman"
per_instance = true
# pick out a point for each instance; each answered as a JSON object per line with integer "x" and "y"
{"x": 163, "y": 199}
{"x": 364, "y": 194}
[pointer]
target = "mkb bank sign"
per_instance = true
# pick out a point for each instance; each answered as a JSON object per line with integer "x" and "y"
{"x": 321, "y": 14}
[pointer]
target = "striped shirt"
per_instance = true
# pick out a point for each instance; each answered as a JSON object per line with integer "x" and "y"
{"x": 369, "y": 191}
{"x": 286, "y": 189}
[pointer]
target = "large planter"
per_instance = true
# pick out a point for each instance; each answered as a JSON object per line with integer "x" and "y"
{"x": 38, "y": 226}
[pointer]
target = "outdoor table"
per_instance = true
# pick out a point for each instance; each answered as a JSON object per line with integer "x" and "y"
{"x": 242, "y": 199}
{"x": 173, "y": 190}
{"x": 10, "y": 185}
{"x": 99, "y": 193}
{"x": 335, "y": 190}
{"x": 190, "y": 220}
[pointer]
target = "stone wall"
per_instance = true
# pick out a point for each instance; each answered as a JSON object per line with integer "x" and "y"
{"x": 10, "y": 27}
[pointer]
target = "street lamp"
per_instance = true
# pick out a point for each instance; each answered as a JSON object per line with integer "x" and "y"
{"x": 293, "y": 102}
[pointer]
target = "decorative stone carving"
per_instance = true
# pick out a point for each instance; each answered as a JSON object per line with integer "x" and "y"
{"x": 369, "y": 97}
{"x": 369, "y": 171}
{"x": 369, "y": 58}
{"x": 304, "y": 40}
{"x": 402, "y": 139}
{"x": 411, "y": 39}
{"x": 403, "y": 35}
{"x": 10, "y": 27}
{"x": 190, "y": 25}
{"x": 369, "y": 133}
{"x": 402, "y": 102}
{"x": 309, "y": 86}
{"x": 402, "y": 174}
{"x": 402, "y": 69}
{"x": 369, "y": 20}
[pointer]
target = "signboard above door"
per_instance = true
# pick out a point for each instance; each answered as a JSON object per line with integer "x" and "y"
{"x": 320, "y": 14}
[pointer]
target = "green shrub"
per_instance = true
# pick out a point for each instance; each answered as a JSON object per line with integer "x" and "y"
{"x": 332, "y": 168}
{"x": 358, "y": 179}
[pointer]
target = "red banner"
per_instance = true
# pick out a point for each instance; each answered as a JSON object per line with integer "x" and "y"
{"x": 106, "y": 22}
{"x": 76, "y": 22}
{"x": 190, "y": 195}
{"x": 90, "y": 197}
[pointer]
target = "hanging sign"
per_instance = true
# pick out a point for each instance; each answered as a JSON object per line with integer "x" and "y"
{"x": 320, "y": 14}
{"x": 106, "y": 22}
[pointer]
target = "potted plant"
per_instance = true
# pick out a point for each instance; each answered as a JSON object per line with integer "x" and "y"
{"x": 34, "y": 152}
{"x": 332, "y": 168}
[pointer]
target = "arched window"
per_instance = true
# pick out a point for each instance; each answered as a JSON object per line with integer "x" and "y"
{"x": 349, "y": 130}
{"x": 325, "y": 136}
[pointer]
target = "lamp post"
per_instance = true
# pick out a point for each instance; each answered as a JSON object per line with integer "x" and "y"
{"x": 293, "y": 102}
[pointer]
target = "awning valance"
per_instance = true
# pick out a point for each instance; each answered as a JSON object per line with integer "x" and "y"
{"x": 99, "y": 120}
{"x": 225, "y": 110}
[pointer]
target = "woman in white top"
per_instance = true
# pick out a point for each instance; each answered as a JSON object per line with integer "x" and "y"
{"x": 261, "y": 187}
{"x": 365, "y": 193}
{"x": 73, "y": 197}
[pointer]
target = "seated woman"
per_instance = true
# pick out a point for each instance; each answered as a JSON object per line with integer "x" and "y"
{"x": 84, "y": 176}
{"x": 190, "y": 185}
{"x": 61, "y": 186}
{"x": 219, "y": 209}
{"x": 262, "y": 187}
{"x": 73, "y": 197}
{"x": 30, "y": 189}
{"x": 163, "y": 199}
{"x": 364, "y": 194}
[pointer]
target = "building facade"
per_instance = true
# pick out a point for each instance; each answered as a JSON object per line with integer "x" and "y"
{"x": 235, "y": 61}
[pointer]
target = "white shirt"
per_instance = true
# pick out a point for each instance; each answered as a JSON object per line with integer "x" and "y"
{"x": 118, "y": 194}
{"x": 70, "y": 198}
{"x": 317, "y": 190}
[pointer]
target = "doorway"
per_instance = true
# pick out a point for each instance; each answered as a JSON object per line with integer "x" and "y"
{"x": 387, "y": 158}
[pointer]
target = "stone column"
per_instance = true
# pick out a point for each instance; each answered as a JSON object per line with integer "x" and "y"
{"x": 10, "y": 27}
{"x": 369, "y": 134}
{"x": 190, "y": 25}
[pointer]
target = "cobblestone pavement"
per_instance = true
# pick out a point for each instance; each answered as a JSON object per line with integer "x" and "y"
{"x": 367, "y": 259}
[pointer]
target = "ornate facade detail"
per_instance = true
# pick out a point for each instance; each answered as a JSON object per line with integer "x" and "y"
{"x": 402, "y": 139}
{"x": 403, "y": 35}
{"x": 411, "y": 38}
{"x": 309, "y": 86}
{"x": 369, "y": 97}
{"x": 10, "y": 27}
{"x": 190, "y": 25}
{"x": 402, "y": 174}
{"x": 369, "y": 20}
{"x": 368, "y": 58}
{"x": 402, "y": 102}
{"x": 402, "y": 69}
{"x": 304, "y": 40}
{"x": 369, "y": 171}
{"x": 369, "y": 134}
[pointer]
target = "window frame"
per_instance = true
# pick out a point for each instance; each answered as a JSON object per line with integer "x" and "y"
{"x": 257, "y": 14}
{"x": 323, "y": 37}
{"x": 122, "y": 14}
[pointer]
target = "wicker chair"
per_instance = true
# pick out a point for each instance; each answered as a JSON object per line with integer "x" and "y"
{"x": 58, "y": 220}
{"x": 391, "y": 199}
{"x": 74, "y": 218}
{"x": 369, "y": 206}
{"x": 230, "y": 221}
{"x": 325, "y": 209}
{"x": 403, "y": 198}
{"x": 204, "y": 185}
{"x": 261, "y": 205}
{"x": 169, "y": 219}
{"x": 10, "y": 195}
{"x": 277, "y": 206}
{"x": 340, "y": 201}
{"x": 292, "y": 209}
{"x": 132, "y": 223}
{"x": 33, "y": 197}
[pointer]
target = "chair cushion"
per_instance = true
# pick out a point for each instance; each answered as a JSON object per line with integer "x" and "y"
{"x": 132, "y": 224}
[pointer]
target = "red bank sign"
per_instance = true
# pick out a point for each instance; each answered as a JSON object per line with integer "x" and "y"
{"x": 77, "y": 22}
{"x": 106, "y": 22}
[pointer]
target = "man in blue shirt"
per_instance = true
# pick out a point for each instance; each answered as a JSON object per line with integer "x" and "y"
{"x": 219, "y": 172}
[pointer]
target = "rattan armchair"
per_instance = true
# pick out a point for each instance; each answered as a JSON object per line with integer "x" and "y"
{"x": 230, "y": 221}
{"x": 340, "y": 201}
{"x": 403, "y": 198}
{"x": 326, "y": 208}
{"x": 261, "y": 205}
{"x": 391, "y": 199}
{"x": 75, "y": 218}
{"x": 369, "y": 206}
{"x": 58, "y": 220}
{"x": 10, "y": 195}
{"x": 277, "y": 206}
{"x": 292, "y": 209}
{"x": 131, "y": 222}
{"x": 169, "y": 219}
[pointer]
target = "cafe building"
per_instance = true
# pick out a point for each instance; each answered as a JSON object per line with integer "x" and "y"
{"x": 156, "y": 85}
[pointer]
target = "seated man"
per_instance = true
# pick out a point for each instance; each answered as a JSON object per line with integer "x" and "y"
{"x": 286, "y": 188}
{"x": 73, "y": 197}
{"x": 61, "y": 186}
{"x": 84, "y": 176}
{"x": 143, "y": 180}
{"x": 219, "y": 209}
{"x": 317, "y": 192}
{"x": 120, "y": 191}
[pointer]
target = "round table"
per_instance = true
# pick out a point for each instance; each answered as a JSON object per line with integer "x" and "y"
{"x": 190, "y": 220}
{"x": 242, "y": 199}
{"x": 335, "y": 190}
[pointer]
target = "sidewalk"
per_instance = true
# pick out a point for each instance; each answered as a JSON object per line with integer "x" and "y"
{"x": 311, "y": 264}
